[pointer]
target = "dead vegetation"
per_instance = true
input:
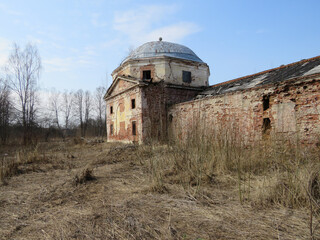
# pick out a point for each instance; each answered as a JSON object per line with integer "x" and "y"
{"x": 202, "y": 189}
{"x": 84, "y": 176}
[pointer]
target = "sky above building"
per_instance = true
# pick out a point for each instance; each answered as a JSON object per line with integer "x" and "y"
{"x": 82, "y": 41}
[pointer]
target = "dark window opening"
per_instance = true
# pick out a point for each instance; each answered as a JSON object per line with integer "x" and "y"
{"x": 133, "y": 103}
{"x": 111, "y": 129}
{"x": 134, "y": 129}
{"x": 146, "y": 75}
{"x": 266, "y": 102}
{"x": 111, "y": 110}
{"x": 266, "y": 126}
{"x": 186, "y": 76}
{"x": 170, "y": 117}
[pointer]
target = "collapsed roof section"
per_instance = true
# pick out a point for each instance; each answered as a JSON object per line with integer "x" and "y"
{"x": 302, "y": 68}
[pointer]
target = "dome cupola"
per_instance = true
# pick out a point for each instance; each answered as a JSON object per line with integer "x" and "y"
{"x": 163, "y": 49}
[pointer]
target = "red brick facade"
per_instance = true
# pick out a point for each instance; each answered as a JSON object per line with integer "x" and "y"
{"x": 156, "y": 98}
{"x": 286, "y": 110}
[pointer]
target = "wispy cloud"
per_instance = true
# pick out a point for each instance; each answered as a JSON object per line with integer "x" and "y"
{"x": 96, "y": 20}
{"x": 65, "y": 64}
{"x": 5, "y": 46}
{"x": 174, "y": 32}
{"x": 147, "y": 23}
{"x": 7, "y": 10}
{"x": 58, "y": 64}
{"x": 261, "y": 31}
{"x": 35, "y": 40}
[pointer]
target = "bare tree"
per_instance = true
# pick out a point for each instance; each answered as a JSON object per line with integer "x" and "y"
{"x": 100, "y": 109}
{"x": 23, "y": 71}
{"x": 87, "y": 107}
{"x": 82, "y": 102}
{"x": 5, "y": 110}
{"x": 78, "y": 100}
{"x": 67, "y": 106}
{"x": 55, "y": 107}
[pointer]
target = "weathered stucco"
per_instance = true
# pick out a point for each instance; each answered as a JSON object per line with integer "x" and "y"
{"x": 123, "y": 115}
{"x": 166, "y": 69}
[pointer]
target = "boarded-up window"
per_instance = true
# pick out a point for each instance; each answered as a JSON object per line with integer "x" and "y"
{"x": 111, "y": 110}
{"x": 186, "y": 76}
{"x": 146, "y": 75}
{"x": 121, "y": 107}
{"x": 134, "y": 128}
{"x": 122, "y": 130}
{"x": 133, "y": 103}
{"x": 111, "y": 129}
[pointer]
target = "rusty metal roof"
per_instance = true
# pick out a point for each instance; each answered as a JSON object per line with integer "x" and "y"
{"x": 285, "y": 72}
{"x": 162, "y": 48}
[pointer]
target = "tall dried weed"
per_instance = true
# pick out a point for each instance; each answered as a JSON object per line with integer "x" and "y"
{"x": 267, "y": 172}
{"x": 9, "y": 165}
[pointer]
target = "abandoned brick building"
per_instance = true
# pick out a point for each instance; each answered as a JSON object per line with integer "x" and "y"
{"x": 161, "y": 90}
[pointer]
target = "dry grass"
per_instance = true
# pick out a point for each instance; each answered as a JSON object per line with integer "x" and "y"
{"x": 85, "y": 175}
{"x": 159, "y": 192}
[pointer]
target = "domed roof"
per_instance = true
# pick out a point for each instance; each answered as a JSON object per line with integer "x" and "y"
{"x": 161, "y": 48}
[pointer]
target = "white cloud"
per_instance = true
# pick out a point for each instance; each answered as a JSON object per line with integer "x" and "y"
{"x": 173, "y": 32}
{"x": 34, "y": 40}
{"x": 58, "y": 64}
{"x": 110, "y": 43}
{"x": 90, "y": 51}
{"x": 9, "y": 11}
{"x": 96, "y": 20}
{"x": 261, "y": 31}
{"x": 146, "y": 24}
{"x": 5, "y": 47}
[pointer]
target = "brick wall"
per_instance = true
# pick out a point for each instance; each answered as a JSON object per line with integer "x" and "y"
{"x": 156, "y": 98}
{"x": 287, "y": 110}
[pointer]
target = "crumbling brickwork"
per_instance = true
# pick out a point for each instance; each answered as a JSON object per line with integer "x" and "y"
{"x": 156, "y": 98}
{"x": 287, "y": 110}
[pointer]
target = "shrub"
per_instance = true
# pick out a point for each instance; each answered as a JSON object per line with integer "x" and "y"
{"x": 84, "y": 176}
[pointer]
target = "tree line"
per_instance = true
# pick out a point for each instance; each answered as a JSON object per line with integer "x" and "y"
{"x": 23, "y": 116}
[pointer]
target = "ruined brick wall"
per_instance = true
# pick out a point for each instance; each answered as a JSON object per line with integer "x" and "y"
{"x": 153, "y": 112}
{"x": 156, "y": 98}
{"x": 287, "y": 110}
{"x": 122, "y": 117}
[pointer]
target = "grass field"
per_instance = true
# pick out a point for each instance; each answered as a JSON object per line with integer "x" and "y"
{"x": 92, "y": 190}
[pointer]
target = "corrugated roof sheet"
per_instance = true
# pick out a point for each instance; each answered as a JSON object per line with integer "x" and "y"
{"x": 282, "y": 73}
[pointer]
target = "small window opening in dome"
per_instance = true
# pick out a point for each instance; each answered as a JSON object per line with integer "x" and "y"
{"x": 186, "y": 76}
{"x": 146, "y": 75}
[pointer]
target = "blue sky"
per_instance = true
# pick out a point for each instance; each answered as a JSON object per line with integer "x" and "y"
{"x": 83, "y": 41}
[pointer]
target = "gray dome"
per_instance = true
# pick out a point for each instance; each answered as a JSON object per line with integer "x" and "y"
{"x": 160, "y": 49}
